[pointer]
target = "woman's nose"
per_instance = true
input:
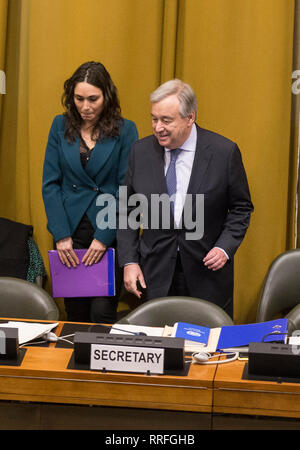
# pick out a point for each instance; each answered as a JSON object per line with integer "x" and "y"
{"x": 85, "y": 105}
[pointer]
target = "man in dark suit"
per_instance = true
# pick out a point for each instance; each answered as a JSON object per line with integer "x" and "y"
{"x": 211, "y": 194}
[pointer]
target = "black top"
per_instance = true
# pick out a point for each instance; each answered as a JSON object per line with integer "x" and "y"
{"x": 85, "y": 152}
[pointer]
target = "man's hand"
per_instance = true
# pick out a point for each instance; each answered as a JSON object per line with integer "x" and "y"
{"x": 215, "y": 259}
{"x": 94, "y": 253}
{"x": 66, "y": 253}
{"x": 133, "y": 274}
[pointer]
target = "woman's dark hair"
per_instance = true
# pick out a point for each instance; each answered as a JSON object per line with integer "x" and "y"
{"x": 109, "y": 121}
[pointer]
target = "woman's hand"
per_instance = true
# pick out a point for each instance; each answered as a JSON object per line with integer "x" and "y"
{"x": 94, "y": 253}
{"x": 66, "y": 253}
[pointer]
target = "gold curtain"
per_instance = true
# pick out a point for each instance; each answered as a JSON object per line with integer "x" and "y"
{"x": 3, "y": 20}
{"x": 238, "y": 57}
{"x": 295, "y": 120}
{"x": 236, "y": 54}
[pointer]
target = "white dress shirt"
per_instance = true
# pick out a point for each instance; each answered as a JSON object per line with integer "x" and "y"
{"x": 184, "y": 164}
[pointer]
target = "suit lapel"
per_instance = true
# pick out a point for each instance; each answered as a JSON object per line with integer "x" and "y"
{"x": 202, "y": 159}
{"x": 158, "y": 170}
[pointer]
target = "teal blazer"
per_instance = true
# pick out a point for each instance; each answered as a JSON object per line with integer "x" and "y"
{"x": 69, "y": 191}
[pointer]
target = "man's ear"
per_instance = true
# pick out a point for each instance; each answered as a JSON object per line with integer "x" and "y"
{"x": 191, "y": 118}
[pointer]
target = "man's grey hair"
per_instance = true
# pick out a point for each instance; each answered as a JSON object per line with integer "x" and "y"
{"x": 184, "y": 92}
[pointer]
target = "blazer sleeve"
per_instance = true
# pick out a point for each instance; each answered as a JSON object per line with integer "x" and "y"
{"x": 127, "y": 238}
{"x": 128, "y": 136}
{"x": 58, "y": 224}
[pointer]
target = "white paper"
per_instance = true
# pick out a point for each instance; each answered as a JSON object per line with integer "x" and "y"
{"x": 294, "y": 340}
{"x": 28, "y": 331}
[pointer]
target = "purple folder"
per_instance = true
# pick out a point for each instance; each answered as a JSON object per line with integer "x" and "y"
{"x": 83, "y": 281}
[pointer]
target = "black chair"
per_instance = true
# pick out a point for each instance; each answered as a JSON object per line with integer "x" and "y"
{"x": 281, "y": 288}
{"x": 23, "y": 299}
{"x": 169, "y": 310}
{"x": 19, "y": 253}
{"x": 294, "y": 318}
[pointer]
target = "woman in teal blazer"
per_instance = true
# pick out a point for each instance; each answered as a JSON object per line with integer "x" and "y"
{"x": 86, "y": 155}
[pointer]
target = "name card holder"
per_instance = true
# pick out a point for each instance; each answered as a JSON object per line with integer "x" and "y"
{"x": 9, "y": 343}
{"x": 123, "y": 353}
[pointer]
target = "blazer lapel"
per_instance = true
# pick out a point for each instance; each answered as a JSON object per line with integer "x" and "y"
{"x": 202, "y": 159}
{"x": 98, "y": 159}
{"x": 71, "y": 152}
{"x": 100, "y": 156}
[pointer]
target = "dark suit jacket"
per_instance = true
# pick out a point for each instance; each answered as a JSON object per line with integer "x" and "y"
{"x": 14, "y": 248}
{"x": 69, "y": 191}
{"x": 219, "y": 174}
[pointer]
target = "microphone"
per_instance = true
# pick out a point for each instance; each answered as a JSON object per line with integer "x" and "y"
{"x": 136, "y": 333}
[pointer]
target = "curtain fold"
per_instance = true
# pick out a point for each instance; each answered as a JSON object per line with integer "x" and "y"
{"x": 169, "y": 40}
{"x": 237, "y": 55}
{"x": 3, "y": 22}
{"x": 46, "y": 41}
{"x": 294, "y": 237}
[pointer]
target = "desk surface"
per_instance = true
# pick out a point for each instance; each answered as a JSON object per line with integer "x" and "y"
{"x": 235, "y": 393}
{"x": 44, "y": 376}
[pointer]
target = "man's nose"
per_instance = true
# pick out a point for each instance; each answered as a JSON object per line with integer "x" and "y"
{"x": 158, "y": 126}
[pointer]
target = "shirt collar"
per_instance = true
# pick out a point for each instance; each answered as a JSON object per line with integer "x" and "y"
{"x": 190, "y": 144}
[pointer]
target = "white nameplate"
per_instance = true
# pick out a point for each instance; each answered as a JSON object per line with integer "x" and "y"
{"x": 127, "y": 359}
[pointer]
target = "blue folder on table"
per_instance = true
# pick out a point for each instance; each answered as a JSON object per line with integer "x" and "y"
{"x": 191, "y": 332}
{"x": 232, "y": 336}
{"x": 97, "y": 280}
{"x": 242, "y": 335}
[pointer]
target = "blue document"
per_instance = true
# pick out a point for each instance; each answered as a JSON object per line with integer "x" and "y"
{"x": 191, "y": 332}
{"x": 242, "y": 335}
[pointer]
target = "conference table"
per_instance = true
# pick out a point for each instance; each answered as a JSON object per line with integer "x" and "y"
{"x": 45, "y": 390}
{"x": 243, "y": 400}
{"x": 57, "y": 395}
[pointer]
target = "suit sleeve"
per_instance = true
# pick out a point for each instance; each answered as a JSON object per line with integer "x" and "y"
{"x": 240, "y": 206}
{"x": 58, "y": 224}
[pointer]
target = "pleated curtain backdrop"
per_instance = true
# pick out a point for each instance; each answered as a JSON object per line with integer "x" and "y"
{"x": 238, "y": 56}
{"x": 3, "y": 17}
{"x": 295, "y": 122}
